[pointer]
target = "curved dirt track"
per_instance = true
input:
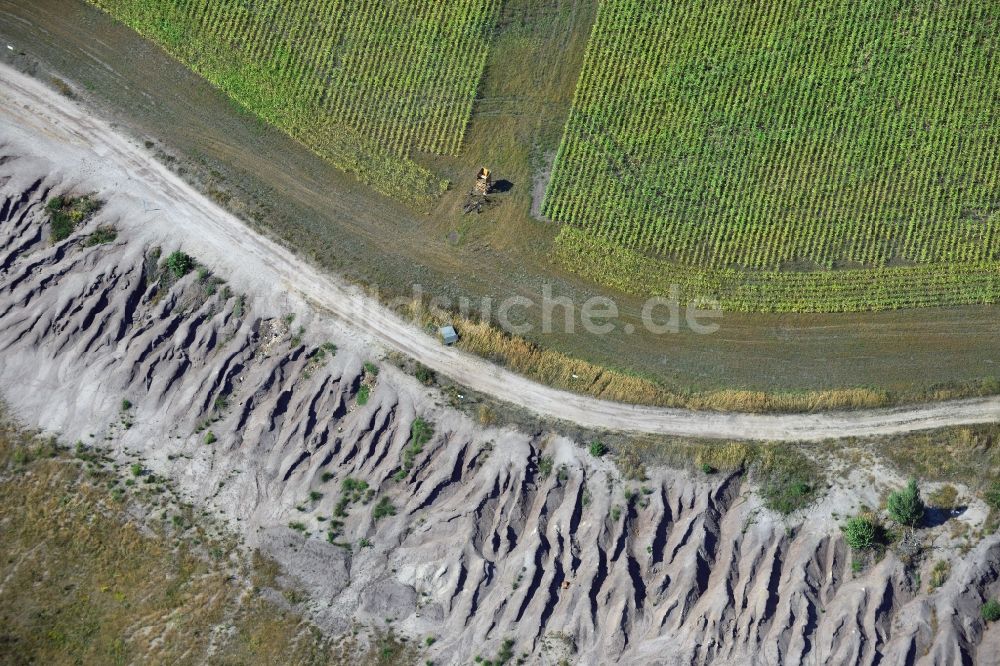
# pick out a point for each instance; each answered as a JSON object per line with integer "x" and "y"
{"x": 165, "y": 209}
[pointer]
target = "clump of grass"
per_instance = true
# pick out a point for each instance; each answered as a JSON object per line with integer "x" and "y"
{"x": 945, "y": 497}
{"x": 545, "y": 466}
{"x": 598, "y": 449}
{"x": 66, "y": 213}
{"x": 363, "y": 394}
{"x": 990, "y": 611}
{"x": 179, "y": 264}
{"x": 939, "y": 574}
{"x": 383, "y": 509}
{"x": 101, "y": 236}
{"x": 425, "y": 375}
{"x": 352, "y": 491}
{"x": 420, "y": 433}
{"x": 862, "y": 532}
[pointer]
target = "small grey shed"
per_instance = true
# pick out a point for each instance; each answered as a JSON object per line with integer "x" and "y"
{"x": 448, "y": 335}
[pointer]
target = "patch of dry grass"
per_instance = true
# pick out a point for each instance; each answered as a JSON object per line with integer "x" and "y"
{"x": 565, "y": 372}
{"x": 968, "y": 455}
{"x": 91, "y": 572}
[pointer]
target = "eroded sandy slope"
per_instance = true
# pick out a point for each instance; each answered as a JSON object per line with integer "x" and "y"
{"x": 577, "y": 563}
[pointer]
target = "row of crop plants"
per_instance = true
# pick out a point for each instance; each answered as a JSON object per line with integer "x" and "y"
{"x": 736, "y": 290}
{"x": 363, "y": 82}
{"x": 816, "y": 133}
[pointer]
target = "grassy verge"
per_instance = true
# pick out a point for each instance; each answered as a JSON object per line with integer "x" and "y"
{"x": 565, "y": 372}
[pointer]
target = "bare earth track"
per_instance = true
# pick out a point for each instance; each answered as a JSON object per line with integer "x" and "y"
{"x": 164, "y": 208}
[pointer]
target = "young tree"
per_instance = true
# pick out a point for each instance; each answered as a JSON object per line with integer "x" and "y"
{"x": 905, "y": 506}
{"x": 861, "y": 532}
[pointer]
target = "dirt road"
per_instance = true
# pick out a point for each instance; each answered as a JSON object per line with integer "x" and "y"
{"x": 156, "y": 205}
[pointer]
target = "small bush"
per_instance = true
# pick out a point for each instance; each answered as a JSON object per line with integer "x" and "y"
{"x": 136, "y": 469}
{"x": 383, "y": 509}
{"x": 179, "y": 264}
{"x": 425, "y": 375}
{"x": 102, "y": 235}
{"x": 363, "y": 394}
{"x": 210, "y": 437}
{"x": 544, "y": 466}
{"x": 992, "y": 495}
{"x": 126, "y": 404}
{"x": 66, "y": 213}
{"x": 371, "y": 369}
{"x": 326, "y": 476}
{"x": 707, "y": 469}
{"x": 598, "y": 449}
{"x": 861, "y": 532}
{"x": 315, "y": 496}
{"x": 990, "y": 611}
{"x": 939, "y": 574}
{"x": 905, "y": 506}
{"x": 788, "y": 478}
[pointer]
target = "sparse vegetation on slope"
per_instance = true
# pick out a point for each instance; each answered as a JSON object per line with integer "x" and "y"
{"x": 65, "y": 213}
{"x": 86, "y": 582}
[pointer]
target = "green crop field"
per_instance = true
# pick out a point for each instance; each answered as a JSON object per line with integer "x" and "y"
{"x": 792, "y": 155}
{"x": 363, "y": 83}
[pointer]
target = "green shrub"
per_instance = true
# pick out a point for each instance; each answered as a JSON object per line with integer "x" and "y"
{"x": 102, "y": 235}
{"x": 990, "y": 611}
{"x": 179, "y": 263}
{"x": 383, "y": 509}
{"x": 371, "y": 369}
{"x": 905, "y": 506}
{"x": 420, "y": 433}
{"x": 136, "y": 469}
{"x": 788, "y": 481}
{"x": 424, "y": 375}
{"x": 861, "y": 532}
{"x": 363, "y": 393}
{"x": 544, "y": 466}
{"x": 315, "y": 495}
{"x": 66, "y": 213}
{"x": 598, "y": 449}
{"x": 126, "y": 404}
{"x": 210, "y": 437}
{"x": 707, "y": 469}
{"x": 992, "y": 495}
